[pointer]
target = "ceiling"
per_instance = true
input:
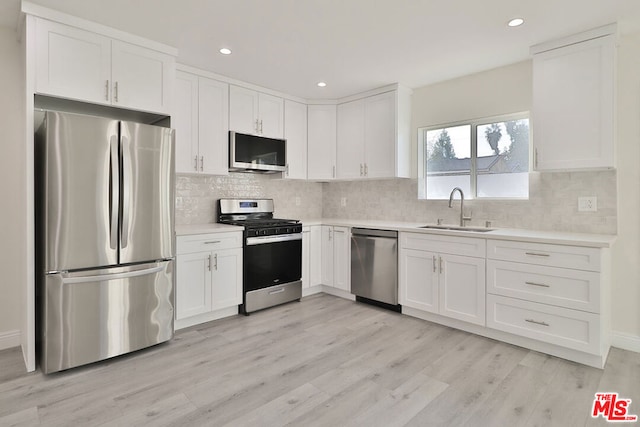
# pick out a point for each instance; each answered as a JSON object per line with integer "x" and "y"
{"x": 353, "y": 45}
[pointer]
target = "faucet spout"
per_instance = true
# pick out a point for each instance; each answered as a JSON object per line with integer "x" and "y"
{"x": 462, "y": 217}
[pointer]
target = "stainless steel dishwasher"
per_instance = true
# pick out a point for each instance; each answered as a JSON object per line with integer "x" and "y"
{"x": 374, "y": 267}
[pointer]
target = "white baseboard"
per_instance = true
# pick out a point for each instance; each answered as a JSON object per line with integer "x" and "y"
{"x": 625, "y": 341}
{"x": 9, "y": 339}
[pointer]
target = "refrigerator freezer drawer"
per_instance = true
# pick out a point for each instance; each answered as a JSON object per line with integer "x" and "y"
{"x": 94, "y": 315}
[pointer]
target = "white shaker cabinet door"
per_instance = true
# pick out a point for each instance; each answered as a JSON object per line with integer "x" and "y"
{"x": 185, "y": 122}
{"x": 271, "y": 116}
{"x": 327, "y": 255}
{"x": 142, "y": 78}
{"x": 342, "y": 258}
{"x": 321, "y": 142}
{"x": 462, "y": 288}
{"x": 193, "y": 284}
{"x": 380, "y": 135}
{"x": 243, "y": 110}
{"x": 72, "y": 63}
{"x": 295, "y": 132}
{"x": 418, "y": 274}
{"x": 213, "y": 126}
{"x": 226, "y": 282}
{"x": 350, "y": 148}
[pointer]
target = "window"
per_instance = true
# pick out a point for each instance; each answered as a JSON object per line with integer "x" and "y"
{"x": 487, "y": 158}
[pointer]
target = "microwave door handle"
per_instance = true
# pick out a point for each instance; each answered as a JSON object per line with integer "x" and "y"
{"x": 114, "y": 193}
{"x": 126, "y": 189}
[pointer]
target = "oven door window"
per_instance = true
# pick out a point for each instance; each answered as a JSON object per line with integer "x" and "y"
{"x": 271, "y": 264}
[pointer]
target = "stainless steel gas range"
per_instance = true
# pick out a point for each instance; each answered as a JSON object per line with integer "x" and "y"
{"x": 272, "y": 253}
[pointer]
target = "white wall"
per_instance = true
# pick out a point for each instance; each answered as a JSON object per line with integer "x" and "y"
{"x": 626, "y": 255}
{"x": 12, "y": 188}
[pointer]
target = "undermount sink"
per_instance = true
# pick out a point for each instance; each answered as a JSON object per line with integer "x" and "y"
{"x": 457, "y": 228}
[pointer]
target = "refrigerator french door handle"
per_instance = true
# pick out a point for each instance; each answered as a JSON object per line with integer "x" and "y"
{"x": 115, "y": 193}
{"x": 126, "y": 190}
{"x": 114, "y": 276}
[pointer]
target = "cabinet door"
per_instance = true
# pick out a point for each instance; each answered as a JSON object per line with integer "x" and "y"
{"x": 350, "y": 147}
{"x": 271, "y": 115}
{"x": 193, "y": 284}
{"x": 185, "y": 121}
{"x": 418, "y": 276}
{"x": 213, "y": 127}
{"x": 342, "y": 258}
{"x": 327, "y": 255}
{"x": 142, "y": 78}
{"x": 380, "y": 135}
{"x": 315, "y": 255}
{"x": 462, "y": 288}
{"x": 573, "y": 106}
{"x": 226, "y": 282}
{"x": 295, "y": 132}
{"x": 72, "y": 63}
{"x": 306, "y": 234}
{"x": 243, "y": 110}
{"x": 321, "y": 142}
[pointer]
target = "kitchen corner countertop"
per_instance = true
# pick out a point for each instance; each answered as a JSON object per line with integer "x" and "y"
{"x": 186, "y": 230}
{"x": 537, "y": 236}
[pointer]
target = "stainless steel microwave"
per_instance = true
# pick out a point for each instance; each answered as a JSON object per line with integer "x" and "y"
{"x": 256, "y": 153}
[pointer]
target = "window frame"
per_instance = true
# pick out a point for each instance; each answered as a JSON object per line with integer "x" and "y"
{"x": 473, "y": 123}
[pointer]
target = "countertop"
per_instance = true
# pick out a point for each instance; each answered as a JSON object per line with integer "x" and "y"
{"x": 515, "y": 234}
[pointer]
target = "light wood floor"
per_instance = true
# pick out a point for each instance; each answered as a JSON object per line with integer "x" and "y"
{"x": 322, "y": 362}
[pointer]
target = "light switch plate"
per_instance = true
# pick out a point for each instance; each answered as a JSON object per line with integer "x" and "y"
{"x": 588, "y": 204}
{"x": 343, "y": 201}
{"x": 297, "y": 200}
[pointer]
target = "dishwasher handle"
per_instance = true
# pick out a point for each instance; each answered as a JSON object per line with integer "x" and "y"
{"x": 369, "y": 232}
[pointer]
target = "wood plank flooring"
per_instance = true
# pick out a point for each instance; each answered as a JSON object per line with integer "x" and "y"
{"x": 324, "y": 361}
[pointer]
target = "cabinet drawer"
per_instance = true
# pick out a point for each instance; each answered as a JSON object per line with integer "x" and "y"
{"x": 550, "y": 285}
{"x": 542, "y": 254}
{"x": 208, "y": 242}
{"x": 561, "y": 326}
{"x": 465, "y": 246}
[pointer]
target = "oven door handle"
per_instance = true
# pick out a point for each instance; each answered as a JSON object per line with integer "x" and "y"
{"x": 261, "y": 240}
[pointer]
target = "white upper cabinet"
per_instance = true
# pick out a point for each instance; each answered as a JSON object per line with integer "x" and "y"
{"x": 373, "y": 136}
{"x": 78, "y": 64}
{"x": 256, "y": 113}
{"x": 574, "y": 104}
{"x": 351, "y": 140}
{"x": 321, "y": 142}
{"x": 295, "y": 132}
{"x": 201, "y": 117}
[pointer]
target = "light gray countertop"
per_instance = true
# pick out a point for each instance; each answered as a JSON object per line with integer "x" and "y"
{"x": 186, "y": 230}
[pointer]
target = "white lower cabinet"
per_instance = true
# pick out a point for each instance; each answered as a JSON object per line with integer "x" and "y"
{"x": 443, "y": 283}
{"x": 208, "y": 277}
{"x": 336, "y": 257}
{"x": 311, "y": 257}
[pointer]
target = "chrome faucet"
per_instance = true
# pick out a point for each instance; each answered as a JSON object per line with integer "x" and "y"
{"x": 462, "y": 217}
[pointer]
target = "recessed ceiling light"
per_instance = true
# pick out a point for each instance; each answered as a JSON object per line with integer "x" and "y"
{"x": 225, "y": 51}
{"x": 516, "y": 22}
{"x": 321, "y": 84}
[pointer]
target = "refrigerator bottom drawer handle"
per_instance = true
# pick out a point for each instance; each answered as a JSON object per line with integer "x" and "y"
{"x": 103, "y": 277}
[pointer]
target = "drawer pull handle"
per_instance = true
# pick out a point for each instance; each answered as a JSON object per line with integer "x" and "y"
{"x": 212, "y": 242}
{"x": 536, "y": 254}
{"x": 277, "y": 291}
{"x": 536, "y": 322}
{"x": 542, "y": 285}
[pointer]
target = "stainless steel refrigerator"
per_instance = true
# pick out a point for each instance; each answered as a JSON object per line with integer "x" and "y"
{"x": 104, "y": 238}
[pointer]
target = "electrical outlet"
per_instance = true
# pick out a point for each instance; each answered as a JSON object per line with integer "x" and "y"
{"x": 588, "y": 204}
{"x": 343, "y": 201}
{"x": 297, "y": 200}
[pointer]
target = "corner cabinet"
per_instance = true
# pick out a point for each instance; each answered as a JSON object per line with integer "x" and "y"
{"x": 321, "y": 142}
{"x": 201, "y": 117}
{"x": 443, "y": 275}
{"x": 78, "y": 64}
{"x": 208, "y": 277}
{"x": 255, "y": 113}
{"x": 573, "y": 114}
{"x": 373, "y": 136}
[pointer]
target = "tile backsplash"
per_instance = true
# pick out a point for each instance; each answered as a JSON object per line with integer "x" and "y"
{"x": 196, "y": 196}
{"x": 552, "y": 204}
